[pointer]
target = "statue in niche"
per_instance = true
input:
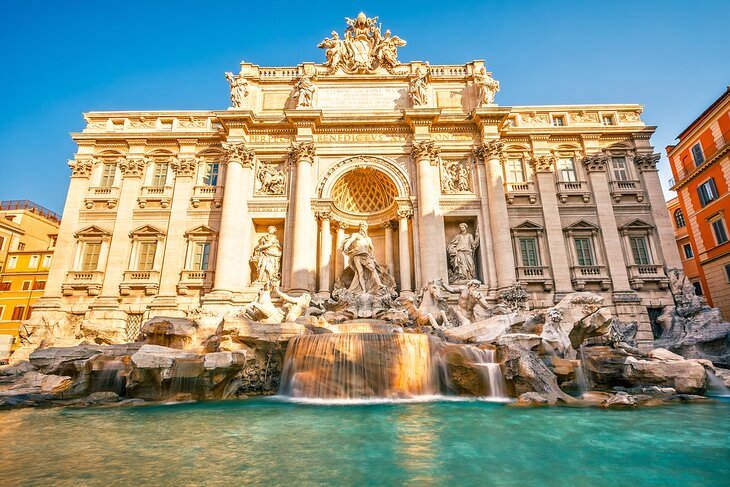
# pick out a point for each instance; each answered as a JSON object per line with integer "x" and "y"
{"x": 295, "y": 306}
{"x": 239, "y": 89}
{"x": 417, "y": 87}
{"x": 487, "y": 87}
{"x": 455, "y": 177}
{"x": 335, "y": 51}
{"x": 303, "y": 92}
{"x": 469, "y": 298}
{"x": 461, "y": 250}
{"x": 271, "y": 180}
{"x": 267, "y": 257}
{"x": 359, "y": 248}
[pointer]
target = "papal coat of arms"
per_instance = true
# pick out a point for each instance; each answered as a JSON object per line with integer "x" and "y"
{"x": 363, "y": 49}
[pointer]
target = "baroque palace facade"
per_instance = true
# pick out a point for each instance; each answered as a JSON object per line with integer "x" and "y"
{"x": 169, "y": 212}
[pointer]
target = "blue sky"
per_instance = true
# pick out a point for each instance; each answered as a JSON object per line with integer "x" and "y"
{"x": 64, "y": 58}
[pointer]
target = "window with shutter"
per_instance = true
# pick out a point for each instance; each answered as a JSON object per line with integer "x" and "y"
{"x": 620, "y": 171}
{"x": 640, "y": 250}
{"x": 200, "y": 258}
{"x": 528, "y": 252}
{"x": 697, "y": 154}
{"x": 90, "y": 259}
{"x": 583, "y": 251}
{"x": 566, "y": 169}
{"x": 146, "y": 260}
{"x": 159, "y": 176}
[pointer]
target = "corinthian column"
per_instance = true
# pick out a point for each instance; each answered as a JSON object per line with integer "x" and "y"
{"x": 504, "y": 263}
{"x": 325, "y": 248}
{"x": 231, "y": 269}
{"x": 426, "y": 155}
{"x": 404, "y": 250}
{"x": 303, "y": 251}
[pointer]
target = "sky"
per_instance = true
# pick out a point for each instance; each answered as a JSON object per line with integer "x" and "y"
{"x": 61, "y": 59}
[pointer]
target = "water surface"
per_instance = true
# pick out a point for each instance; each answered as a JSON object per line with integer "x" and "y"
{"x": 270, "y": 442}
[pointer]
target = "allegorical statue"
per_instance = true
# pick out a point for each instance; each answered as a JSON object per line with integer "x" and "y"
{"x": 267, "y": 257}
{"x": 296, "y": 305}
{"x": 271, "y": 180}
{"x": 335, "y": 51}
{"x": 455, "y": 177}
{"x": 303, "y": 92}
{"x": 262, "y": 309}
{"x": 487, "y": 87}
{"x": 239, "y": 89}
{"x": 469, "y": 298}
{"x": 417, "y": 87}
{"x": 359, "y": 248}
{"x": 461, "y": 255}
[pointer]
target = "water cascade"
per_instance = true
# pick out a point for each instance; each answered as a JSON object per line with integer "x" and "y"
{"x": 716, "y": 387}
{"x": 376, "y": 362}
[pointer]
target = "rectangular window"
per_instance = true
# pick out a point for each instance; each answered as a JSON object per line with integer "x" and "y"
{"x": 46, "y": 261}
{"x": 12, "y": 262}
{"x": 515, "y": 172}
{"x": 558, "y": 121}
{"x": 697, "y": 154}
{"x": 640, "y": 250}
{"x": 566, "y": 169}
{"x": 108, "y": 171}
{"x": 21, "y": 246}
{"x": 2, "y": 243}
{"x": 25, "y": 286}
{"x": 210, "y": 178}
{"x": 5, "y": 286}
{"x": 607, "y": 120}
{"x": 620, "y": 171}
{"x": 159, "y": 176}
{"x": 698, "y": 288}
{"x": 688, "y": 251}
{"x": 584, "y": 252}
{"x": 718, "y": 226}
{"x": 18, "y": 312}
{"x": 39, "y": 285}
{"x": 90, "y": 260}
{"x": 201, "y": 256}
{"x": 33, "y": 262}
{"x": 146, "y": 261}
{"x": 2, "y": 312}
{"x": 528, "y": 251}
{"x": 707, "y": 192}
{"x": 727, "y": 272}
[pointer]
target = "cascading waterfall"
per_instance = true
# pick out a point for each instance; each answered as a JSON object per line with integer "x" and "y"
{"x": 379, "y": 365}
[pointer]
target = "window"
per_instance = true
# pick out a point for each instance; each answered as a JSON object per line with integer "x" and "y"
{"x": 18, "y": 313}
{"x": 528, "y": 252}
{"x": 583, "y": 251}
{"x": 90, "y": 259}
{"x": 2, "y": 243}
{"x": 146, "y": 259}
{"x": 707, "y": 192}
{"x": 46, "y": 261}
{"x": 159, "y": 175}
{"x": 12, "y": 262}
{"x": 679, "y": 218}
{"x": 688, "y": 251}
{"x": 698, "y": 288}
{"x": 210, "y": 176}
{"x": 558, "y": 121}
{"x": 515, "y": 171}
{"x": 39, "y": 285}
{"x": 566, "y": 169}
{"x": 697, "y": 154}
{"x": 727, "y": 272}
{"x": 108, "y": 171}
{"x": 2, "y": 312}
{"x": 607, "y": 119}
{"x": 33, "y": 263}
{"x": 5, "y": 286}
{"x": 201, "y": 256}
{"x": 640, "y": 250}
{"x": 25, "y": 286}
{"x": 718, "y": 227}
{"x": 620, "y": 171}
{"x": 21, "y": 246}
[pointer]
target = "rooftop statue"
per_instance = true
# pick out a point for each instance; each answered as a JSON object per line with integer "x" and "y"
{"x": 239, "y": 89}
{"x": 362, "y": 49}
{"x": 487, "y": 87}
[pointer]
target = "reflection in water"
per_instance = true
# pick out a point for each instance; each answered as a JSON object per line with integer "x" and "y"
{"x": 417, "y": 431}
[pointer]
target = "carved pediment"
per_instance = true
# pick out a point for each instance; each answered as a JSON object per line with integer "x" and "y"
{"x": 581, "y": 225}
{"x": 636, "y": 224}
{"x": 200, "y": 231}
{"x": 92, "y": 231}
{"x": 146, "y": 230}
{"x": 528, "y": 225}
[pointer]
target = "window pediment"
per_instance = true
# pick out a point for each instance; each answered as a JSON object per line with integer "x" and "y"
{"x": 201, "y": 231}
{"x": 92, "y": 231}
{"x": 582, "y": 225}
{"x": 146, "y": 231}
{"x": 636, "y": 224}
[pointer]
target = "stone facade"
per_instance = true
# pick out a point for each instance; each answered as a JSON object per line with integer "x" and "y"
{"x": 165, "y": 209}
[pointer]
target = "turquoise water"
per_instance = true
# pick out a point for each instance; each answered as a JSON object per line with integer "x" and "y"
{"x": 264, "y": 441}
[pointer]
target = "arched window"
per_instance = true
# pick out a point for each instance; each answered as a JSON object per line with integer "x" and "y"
{"x": 679, "y": 218}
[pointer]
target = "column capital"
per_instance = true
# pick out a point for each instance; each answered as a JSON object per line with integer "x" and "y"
{"x": 426, "y": 149}
{"x": 493, "y": 149}
{"x": 339, "y": 225}
{"x": 543, "y": 163}
{"x": 81, "y": 168}
{"x": 302, "y": 152}
{"x": 405, "y": 213}
{"x": 646, "y": 162}
{"x": 596, "y": 162}
{"x": 184, "y": 166}
{"x": 237, "y": 152}
{"x": 133, "y": 166}
{"x": 323, "y": 214}
{"x": 388, "y": 224}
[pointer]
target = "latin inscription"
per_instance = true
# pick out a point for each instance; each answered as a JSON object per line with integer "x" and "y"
{"x": 361, "y": 98}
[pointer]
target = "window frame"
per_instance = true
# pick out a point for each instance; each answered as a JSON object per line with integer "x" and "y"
{"x": 510, "y": 170}
{"x": 14, "y": 316}
{"x": 697, "y": 160}
{"x": 636, "y": 251}
{"x": 107, "y": 174}
{"x": 718, "y": 223}
{"x": 679, "y": 215}
{"x": 615, "y": 170}
{"x": 158, "y": 176}
{"x": 536, "y": 251}
{"x": 591, "y": 251}
{"x": 562, "y": 170}
{"x": 207, "y": 173}
{"x": 688, "y": 252}
{"x": 707, "y": 192}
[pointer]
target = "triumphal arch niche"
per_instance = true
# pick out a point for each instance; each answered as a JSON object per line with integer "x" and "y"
{"x": 171, "y": 211}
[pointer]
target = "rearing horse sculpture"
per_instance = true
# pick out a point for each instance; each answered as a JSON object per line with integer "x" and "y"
{"x": 429, "y": 307}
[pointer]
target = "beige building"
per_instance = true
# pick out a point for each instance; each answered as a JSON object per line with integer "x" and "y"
{"x": 25, "y": 225}
{"x": 166, "y": 209}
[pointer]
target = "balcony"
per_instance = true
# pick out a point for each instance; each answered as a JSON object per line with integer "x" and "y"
{"x": 162, "y": 195}
{"x": 525, "y": 189}
{"x": 149, "y": 281}
{"x": 211, "y": 194}
{"x": 689, "y": 168}
{"x": 89, "y": 281}
{"x": 105, "y": 195}
{"x": 535, "y": 275}
{"x": 191, "y": 279}
{"x": 584, "y": 274}
{"x": 639, "y": 275}
{"x": 626, "y": 188}
{"x": 576, "y": 189}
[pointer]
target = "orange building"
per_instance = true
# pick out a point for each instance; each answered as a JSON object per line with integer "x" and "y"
{"x": 700, "y": 163}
